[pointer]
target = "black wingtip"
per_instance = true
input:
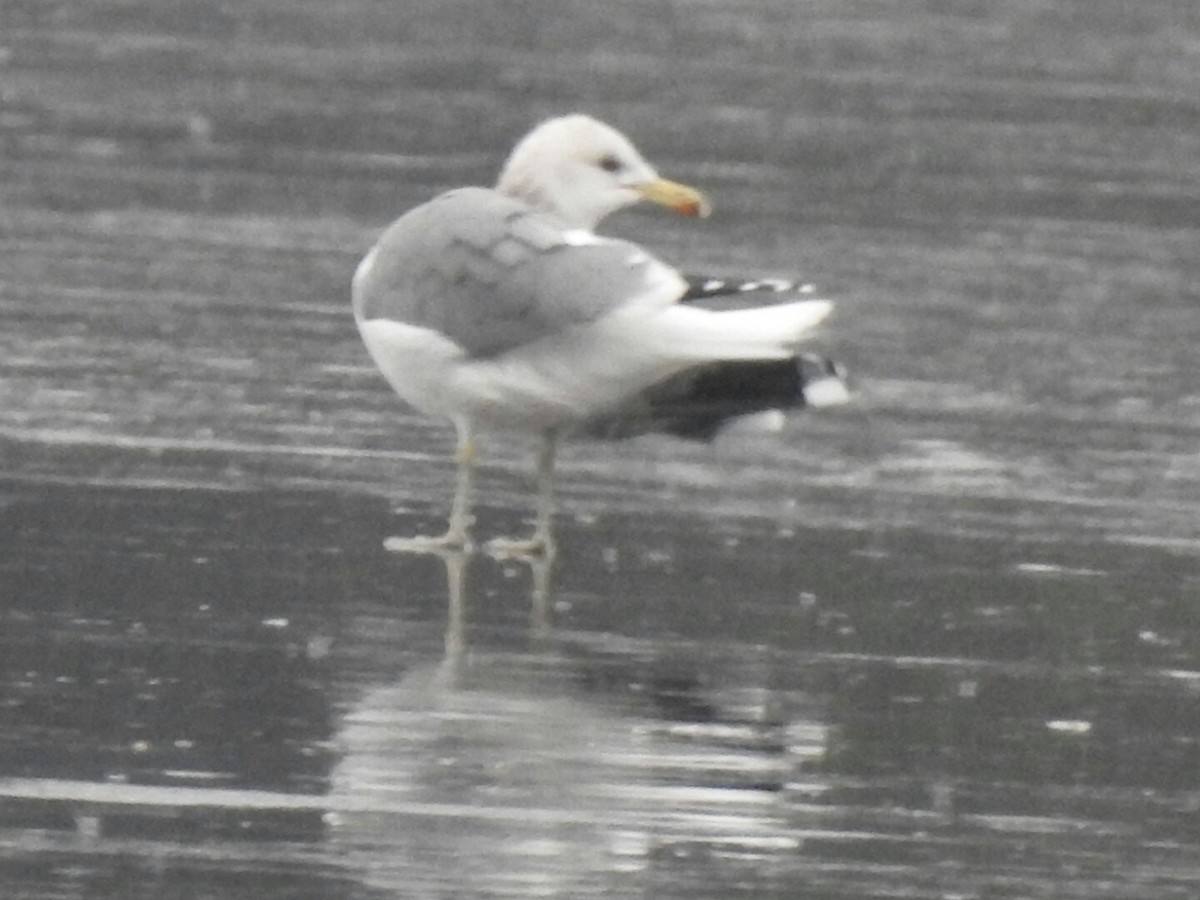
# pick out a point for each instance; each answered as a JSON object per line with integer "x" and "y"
{"x": 699, "y": 404}
{"x": 709, "y": 287}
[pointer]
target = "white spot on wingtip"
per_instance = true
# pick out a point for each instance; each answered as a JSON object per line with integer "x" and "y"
{"x": 778, "y": 285}
{"x": 826, "y": 392}
{"x": 713, "y": 284}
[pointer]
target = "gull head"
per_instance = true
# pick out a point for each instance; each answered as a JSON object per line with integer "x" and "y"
{"x": 581, "y": 170}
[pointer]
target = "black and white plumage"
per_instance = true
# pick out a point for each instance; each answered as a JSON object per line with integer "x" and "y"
{"x": 701, "y": 402}
{"x": 502, "y": 309}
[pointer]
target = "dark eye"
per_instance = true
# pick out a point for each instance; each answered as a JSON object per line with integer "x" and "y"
{"x": 610, "y": 163}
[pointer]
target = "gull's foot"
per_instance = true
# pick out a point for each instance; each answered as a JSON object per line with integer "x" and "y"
{"x": 533, "y": 549}
{"x": 440, "y": 544}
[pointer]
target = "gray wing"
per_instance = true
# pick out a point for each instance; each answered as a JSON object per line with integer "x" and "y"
{"x": 492, "y": 274}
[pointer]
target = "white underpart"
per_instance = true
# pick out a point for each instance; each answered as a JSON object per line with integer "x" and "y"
{"x": 566, "y": 377}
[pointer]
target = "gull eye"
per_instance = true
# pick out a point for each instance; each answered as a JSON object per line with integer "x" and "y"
{"x": 610, "y": 163}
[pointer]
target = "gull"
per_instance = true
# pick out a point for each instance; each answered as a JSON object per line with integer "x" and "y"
{"x": 502, "y": 309}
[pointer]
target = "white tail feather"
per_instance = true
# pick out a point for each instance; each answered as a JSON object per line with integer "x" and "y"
{"x": 764, "y": 332}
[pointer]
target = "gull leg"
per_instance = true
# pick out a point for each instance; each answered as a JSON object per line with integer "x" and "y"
{"x": 540, "y": 570}
{"x": 457, "y": 536}
{"x": 541, "y": 543}
{"x": 543, "y": 531}
{"x": 451, "y": 668}
{"x": 460, "y": 508}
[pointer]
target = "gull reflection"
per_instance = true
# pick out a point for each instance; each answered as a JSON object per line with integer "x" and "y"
{"x": 547, "y": 770}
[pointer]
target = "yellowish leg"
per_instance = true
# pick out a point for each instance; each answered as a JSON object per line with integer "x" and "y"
{"x": 543, "y": 532}
{"x": 541, "y": 542}
{"x": 458, "y": 535}
{"x": 541, "y": 595}
{"x": 452, "y": 666}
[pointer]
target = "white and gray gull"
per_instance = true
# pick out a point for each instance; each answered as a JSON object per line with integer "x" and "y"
{"x": 501, "y": 308}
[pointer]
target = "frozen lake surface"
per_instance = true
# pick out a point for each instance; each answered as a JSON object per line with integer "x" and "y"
{"x": 941, "y": 642}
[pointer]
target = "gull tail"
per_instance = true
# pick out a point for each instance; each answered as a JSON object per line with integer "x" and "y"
{"x": 763, "y": 332}
{"x": 785, "y": 323}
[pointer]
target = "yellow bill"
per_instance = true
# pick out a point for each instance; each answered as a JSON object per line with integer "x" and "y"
{"x": 687, "y": 201}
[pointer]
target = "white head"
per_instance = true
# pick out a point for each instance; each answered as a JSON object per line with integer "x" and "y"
{"x": 581, "y": 170}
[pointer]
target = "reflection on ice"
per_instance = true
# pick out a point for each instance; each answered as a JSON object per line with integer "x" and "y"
{"x": 546, "y": 774}
{"x": 714, "y": 712}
